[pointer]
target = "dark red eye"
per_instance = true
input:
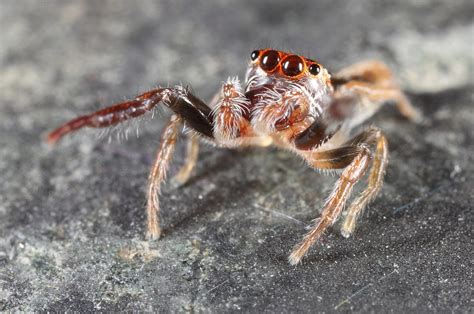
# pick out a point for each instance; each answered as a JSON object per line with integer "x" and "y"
{"x": 292, "y": 65}
{"x": 314, "y": 69}
{"x": 269, "y": 60}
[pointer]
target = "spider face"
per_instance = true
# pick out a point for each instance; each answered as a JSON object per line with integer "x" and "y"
{"x": 268, "y": 66}
{"x": 284, "y": 89}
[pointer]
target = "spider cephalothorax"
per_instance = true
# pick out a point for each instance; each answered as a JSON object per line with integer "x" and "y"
{"x": 290, "y": 101}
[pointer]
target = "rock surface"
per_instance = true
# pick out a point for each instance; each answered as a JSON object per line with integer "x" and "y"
{"x": 72, "y": 216}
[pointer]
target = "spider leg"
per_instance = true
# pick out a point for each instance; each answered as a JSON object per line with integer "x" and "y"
{"x": 373, "y": 80}
{"x": 192, "y": 151}
{"x": 187, "y": 108}
{"x": 318, "y": 133}
{"x": 194, "y": 112}
{"x": 374, "y": 185}
{"x": 158, "y": 175}
{"x": 354, "y": 159}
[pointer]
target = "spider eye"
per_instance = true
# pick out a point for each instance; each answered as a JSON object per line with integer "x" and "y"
{"x": 269, "y": 60}
{"x": 254, "y": 55}
{"x": 292, "y": 66}
{"x": 314, "y": 69}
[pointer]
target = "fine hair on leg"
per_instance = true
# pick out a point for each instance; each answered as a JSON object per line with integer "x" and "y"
{"x": 192, "y": 152}
{"x": 354, "y": 158}
{"x": 375, "y": 81}
{"x": 374, "y": 185}
{"x": 191, "y": 109}
{"x": 158, "y": 175}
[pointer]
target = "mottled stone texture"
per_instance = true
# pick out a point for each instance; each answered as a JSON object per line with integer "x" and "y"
{"x": 72, "y": 216}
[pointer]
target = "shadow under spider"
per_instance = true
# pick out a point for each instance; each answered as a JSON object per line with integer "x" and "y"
{"x": 227, "y": 160}
{"x": 226, "y": 192}
{"x": 212, "y": 202}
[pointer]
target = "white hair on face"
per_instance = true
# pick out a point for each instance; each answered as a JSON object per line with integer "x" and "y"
{"x": 319, "y": 94}
{"x": 277, "y": 103}
{"x": 255, "y": 77}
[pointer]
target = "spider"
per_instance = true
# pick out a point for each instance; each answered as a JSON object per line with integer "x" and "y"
{"x": 287, "y": 100}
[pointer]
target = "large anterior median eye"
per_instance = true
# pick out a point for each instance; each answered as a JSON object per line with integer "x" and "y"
{"x": 269, "y": 60}
{"x": 292, "y": 65}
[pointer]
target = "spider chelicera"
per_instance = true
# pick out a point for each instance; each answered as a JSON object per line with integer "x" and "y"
{"x": 287, "y": 100}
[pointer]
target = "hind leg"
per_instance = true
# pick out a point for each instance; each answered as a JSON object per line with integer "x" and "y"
{"x": 373, "y": 81}
{"x": 379, "y": 96}
{"x": 192, "y": 152}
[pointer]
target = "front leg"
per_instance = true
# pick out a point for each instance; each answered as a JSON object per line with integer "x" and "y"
{"x": 194, "y": 112}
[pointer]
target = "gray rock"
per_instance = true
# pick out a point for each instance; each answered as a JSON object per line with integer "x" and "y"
{"x": 72, "y": 216}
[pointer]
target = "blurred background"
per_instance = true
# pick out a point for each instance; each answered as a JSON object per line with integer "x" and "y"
{"x": 72, "y": 216}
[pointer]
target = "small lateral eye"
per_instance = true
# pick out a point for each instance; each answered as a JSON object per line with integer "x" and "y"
{"x": 269, "y": 60}
{"x": 254, "y": 55}
{"x": 314, "y": 69}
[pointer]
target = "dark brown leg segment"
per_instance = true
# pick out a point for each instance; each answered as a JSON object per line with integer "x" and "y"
{"x": 191, "y": 109}
{"x": 158, "y": 175}
{"x": 354, "y": 159}
{"x": 315, "y": 135}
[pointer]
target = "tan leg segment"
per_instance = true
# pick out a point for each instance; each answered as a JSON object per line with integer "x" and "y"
{"x": 158, "y": 175}
{"x": 192, "y": 153}
{"x": 405, "y": 107}
{"x": 375, "y": 80}
{"x": 375, "y": 183}
{"x": 372, "y": 71}
{"x": 379, "y": 95}
{"x": 334, "y": 205}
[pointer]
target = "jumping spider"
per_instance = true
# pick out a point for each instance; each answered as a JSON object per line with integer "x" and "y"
{"x": 287, "y": 100}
